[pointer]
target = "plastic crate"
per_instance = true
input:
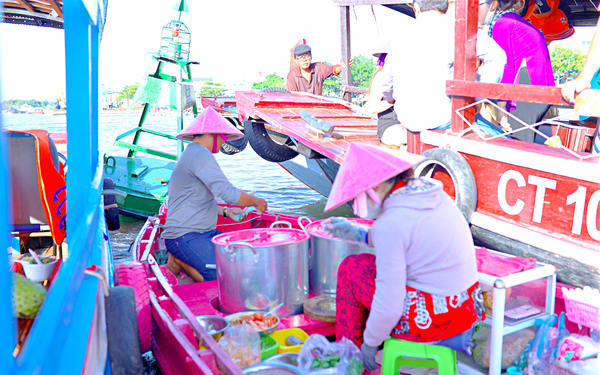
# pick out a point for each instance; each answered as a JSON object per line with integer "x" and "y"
{"x": 270, "y": 347}
{"x": 282, "y": 334}
{"x": 582, "y": 313}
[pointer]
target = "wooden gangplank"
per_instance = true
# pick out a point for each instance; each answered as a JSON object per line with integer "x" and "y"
{"x": 280, "y": 112}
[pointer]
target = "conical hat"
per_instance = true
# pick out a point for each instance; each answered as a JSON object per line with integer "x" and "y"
{"x": 364, "y": 167}
{"x": 210, "y": 122}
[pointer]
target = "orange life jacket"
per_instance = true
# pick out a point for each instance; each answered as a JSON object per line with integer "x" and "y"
{"x": 51, "y": 184}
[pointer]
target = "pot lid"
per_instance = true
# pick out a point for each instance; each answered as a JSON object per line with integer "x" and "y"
{"x": 262, "y": 237}
{"x": 316, "y": 227}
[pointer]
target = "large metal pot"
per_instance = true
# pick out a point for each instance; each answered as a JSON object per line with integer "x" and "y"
{"x": 326, "y": 255}
{"x": 257, "y": 269}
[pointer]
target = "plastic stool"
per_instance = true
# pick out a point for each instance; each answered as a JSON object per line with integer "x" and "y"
{"x": 398, "y": 353}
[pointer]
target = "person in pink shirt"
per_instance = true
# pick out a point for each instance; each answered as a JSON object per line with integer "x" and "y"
{"x": 523, "y": 45}
{"x": 421, "y": 284}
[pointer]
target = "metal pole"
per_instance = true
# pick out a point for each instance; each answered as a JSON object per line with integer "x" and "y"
{"x": 7, "y": 320}
{"x": 346, "y": 54}
{"x": 79, "y": 119}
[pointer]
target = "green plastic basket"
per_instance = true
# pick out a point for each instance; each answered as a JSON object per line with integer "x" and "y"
{"x": 268, "y": 347}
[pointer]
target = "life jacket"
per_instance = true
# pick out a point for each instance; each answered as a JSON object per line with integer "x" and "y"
{"x": 51, "y": 185}
{"x": 553, "y": 19}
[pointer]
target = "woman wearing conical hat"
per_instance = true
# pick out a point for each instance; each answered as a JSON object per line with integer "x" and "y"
{"x": 196, "y": 182}
{"x": 421, "y": 284}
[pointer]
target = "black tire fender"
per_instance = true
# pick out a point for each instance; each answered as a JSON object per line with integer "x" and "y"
{"x": 265, "y": 146}
{"x": 111, "y": 215}
{"x": 263, "y": 143}
{"x": 234, "y": 147}
{"x": 451, "y": 163}
{"x": 122, "y": 330}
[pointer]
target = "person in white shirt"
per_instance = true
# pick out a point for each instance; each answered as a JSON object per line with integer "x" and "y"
{"x": 419, "y": 65}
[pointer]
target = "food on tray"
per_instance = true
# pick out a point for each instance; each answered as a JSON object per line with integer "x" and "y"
{"x": 488, "y": 297}
{"x": 326, "y": 362}
{"x": 259, "y": 321}
{"x": 29, "y": 259}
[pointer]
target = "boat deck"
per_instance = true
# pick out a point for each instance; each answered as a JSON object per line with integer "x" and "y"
{"x": 281, "y": 113}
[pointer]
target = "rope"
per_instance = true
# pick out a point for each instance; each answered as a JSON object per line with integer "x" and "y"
{"x": 100, "y": 275}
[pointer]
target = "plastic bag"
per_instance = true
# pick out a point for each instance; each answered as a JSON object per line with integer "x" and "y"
{"x": 319, "y": 357}
{"x": 512, "y": 346}
{"x": 545, "y": 347}
{"x": 242, "y": 344}
{"x": 576, "y": 347}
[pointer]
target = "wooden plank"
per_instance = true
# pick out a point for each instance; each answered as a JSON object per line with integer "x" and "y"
{"x": 354, "y": 89}
{"x": 26, "y": 5}
{"x": 56, "y": 7}
{"x": 464, "y": 57}
{"x": 346, "y": 54}
{"x": 521, "y": 93}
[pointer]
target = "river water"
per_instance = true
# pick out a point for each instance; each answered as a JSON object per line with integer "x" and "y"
{"x": 246, "y": 170}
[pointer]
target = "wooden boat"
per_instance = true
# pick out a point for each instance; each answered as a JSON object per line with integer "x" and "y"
{"x": 69, "y": 333}
{"x": 167, "y": 311}
{"x": 521, "y": 198}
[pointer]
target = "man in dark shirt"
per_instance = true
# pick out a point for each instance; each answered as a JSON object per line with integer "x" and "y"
{"x": 309, "y": 77}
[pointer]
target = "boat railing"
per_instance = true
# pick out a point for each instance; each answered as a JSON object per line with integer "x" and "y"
{"x": 59, "y": 337}
{"x": 71, "y": 300}
{"x": 554, "y": 121}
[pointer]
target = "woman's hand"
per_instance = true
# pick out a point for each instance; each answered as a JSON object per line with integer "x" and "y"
{"x": 260, "y": 204}
{"x": 344, "y": 229}
{"x": 368, "y": 356}
{"x": 232, "y": 212}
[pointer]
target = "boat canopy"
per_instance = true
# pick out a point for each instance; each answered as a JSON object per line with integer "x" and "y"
{"x": 583, "y": 13}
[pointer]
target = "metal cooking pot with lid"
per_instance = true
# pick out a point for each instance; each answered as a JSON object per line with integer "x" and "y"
{"x": 327, "y": 253}
{"x": 257, "y": 269}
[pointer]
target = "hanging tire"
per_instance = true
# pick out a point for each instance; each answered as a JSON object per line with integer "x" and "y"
{"x": 234, "y": 147}
{"x": 122, "y": 332}
{"x": 111, "y": 215}
{"x": 133, "y": 274}
{"x": 275, "y": 89}
{"x": 268, "y": 145}
{"x": 265, "y": 146}
{"x": 450, "y": 168}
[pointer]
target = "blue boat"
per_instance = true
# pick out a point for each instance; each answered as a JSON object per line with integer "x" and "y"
{"x": 71, "y": 333}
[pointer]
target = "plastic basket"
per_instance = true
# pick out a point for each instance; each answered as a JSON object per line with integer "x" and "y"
{"x": 582, "y": 313}
{"x": 282, "y": 334}
{"x": 270, "y": 347}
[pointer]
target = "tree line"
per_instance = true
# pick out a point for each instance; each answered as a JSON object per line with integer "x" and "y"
{"x": 566, "y": 63}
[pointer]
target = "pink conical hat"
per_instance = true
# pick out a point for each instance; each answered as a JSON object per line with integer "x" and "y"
{"x": 364, "y": 167}
{"x": 210, "y": 122}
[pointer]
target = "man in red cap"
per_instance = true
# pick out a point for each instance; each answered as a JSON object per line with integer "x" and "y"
{"x": 307, "y": 76}
{"x": 195, "y": 183}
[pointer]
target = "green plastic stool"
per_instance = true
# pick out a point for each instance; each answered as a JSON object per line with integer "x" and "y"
{"x": 398, "y": 353}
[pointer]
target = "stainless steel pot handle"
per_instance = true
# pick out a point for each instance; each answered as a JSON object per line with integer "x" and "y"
{"x": 230, "y": 249}
{"x": 300, "y": 222}
{"x": 281, "y": 222}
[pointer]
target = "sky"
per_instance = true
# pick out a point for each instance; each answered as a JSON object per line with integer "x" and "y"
{"x": 234, "y": 41}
